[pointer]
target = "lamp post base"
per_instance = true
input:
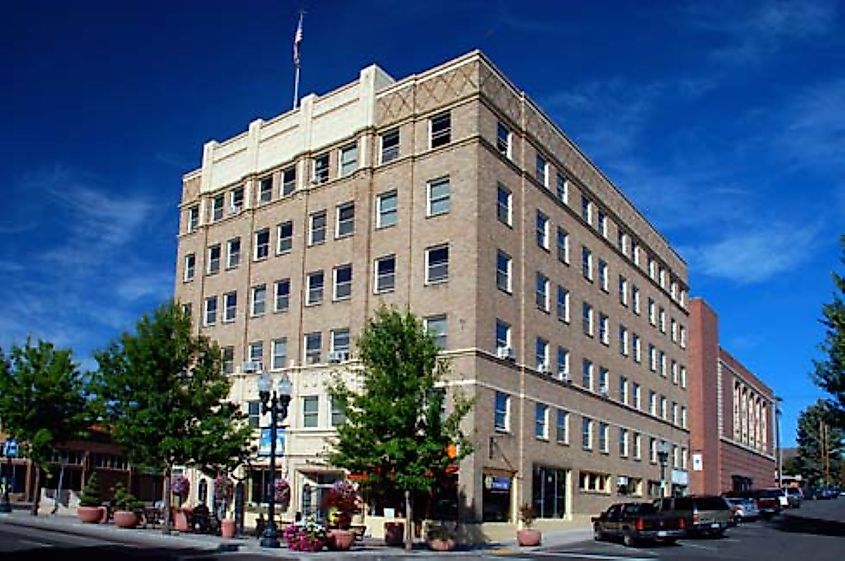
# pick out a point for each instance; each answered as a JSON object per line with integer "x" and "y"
{"x": 271, "y": 542}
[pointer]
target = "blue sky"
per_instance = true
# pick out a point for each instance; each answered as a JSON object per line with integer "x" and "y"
{"x": 723, "y": 121}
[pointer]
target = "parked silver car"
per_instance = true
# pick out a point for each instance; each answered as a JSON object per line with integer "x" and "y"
{"x": 744, "y": 510}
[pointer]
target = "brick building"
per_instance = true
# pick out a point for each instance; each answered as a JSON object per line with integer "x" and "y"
{"x": 562, "y": 310}
{"x": 731, "y": 414}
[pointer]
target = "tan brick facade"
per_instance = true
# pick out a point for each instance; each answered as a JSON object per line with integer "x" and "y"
{"x": 478, "y": 99}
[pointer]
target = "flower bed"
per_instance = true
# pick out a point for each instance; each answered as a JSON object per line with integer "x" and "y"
{"x": 306, "y": 536}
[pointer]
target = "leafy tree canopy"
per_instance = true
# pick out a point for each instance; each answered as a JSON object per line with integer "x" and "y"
{"x": 830, "y": 372}
{"x": 818, "y": 438}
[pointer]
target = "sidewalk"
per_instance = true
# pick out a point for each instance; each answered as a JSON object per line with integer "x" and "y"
{"x": 370, "y": 549}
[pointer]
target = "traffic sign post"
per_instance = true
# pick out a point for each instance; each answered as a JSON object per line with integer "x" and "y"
{"x": 10, "y": 450}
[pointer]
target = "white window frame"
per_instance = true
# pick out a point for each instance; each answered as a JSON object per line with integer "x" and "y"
{"x": 340, "y": 223}
{"x": 254, "y": 291}
{"x": 381, "y": 212}
{"x": 336, "y": 283}
{"x": 446, "y": 133}
{"x": 227, "y": 317}
{"x": 288, "y": 239}
{"x": 280, "y": 341}
{"x": 206, "y": 311}
{"x": 276, "y": 285}
{"x": 393, "y": 156}
{"x": 428, "y": 264}
{"x": 542, "y": 229}
{"x": 190, "y": 267}
{"x": 310, "y": 291}
{"x": 233, "y": 258}
{"x": 508, "y": 140}
{"x": 342, "y": 166}
{"x": 506, "y": 275}
{"x": 377, "y": 289}
{"x": 430, "y": 201}
{"x": 541, "y": 421}
{"x": 255, "y": 255}
{"x": 500, "y": 188}
{"x": 313, "y": 229}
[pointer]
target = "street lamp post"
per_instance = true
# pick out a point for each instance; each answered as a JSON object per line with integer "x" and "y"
{"x": 276, "y": 403}
{"x": 663, "y": 457}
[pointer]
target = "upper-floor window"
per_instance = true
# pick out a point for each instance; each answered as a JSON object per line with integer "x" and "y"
{"x": 265, "y": 189}
{"x": 541, "y": 171}
{"x": 587, "y": 433}
{"x": 210, "y": 311}
{"x": 217, "y": 204}
{"x": 541, "y": 421}
{"x": 635, "y": 299}
{"x": 279, "y": 355}
{"x": 285, "y": 231}
{"x": 602, "y": 223}
{"x": 562, "y": 245}
{"x": 348, "y": 159}
{"x": 562, "y": 427}
{"x": 586, "y": 209}
{"x": 437, "y": 264}
{"x": 438, "y": 326}
{"x": 562, "y": 304}
{"x": 587, "y": 374}
{"x": 542, "y": 292}
{"x": 604, "y": 276}
{"x": 587, "y": 319}
{"x": 315, "y": 288}
{"x": 503, "y": 140}
{"x": 317, "y": 229}
{"x": 637, "y": 253}
{"x": 282, "y": 300}
{"x": 237, "y": 200}
{"x": 542, "y": 230}
{"x": 541, "y": 354}
{"x": 503, "y": 335}
{"x": 440, "y": 130}
{"x": 385, "y": 271}
{"x": 193, "y": 218}
{"x": 604, "y": 430}
{"x": 230, "y": 306}
{"x": 503, "y": 204}
{"x": 623, "y": 340}
{"x": 288, "y": 181}
{"x": 437, "y": 196}
{"x": 501, "y": 412}
{"x": 562, "y": 188}
{"x": 340, "y": 340}
{"x": 387, "y": 209}
{"x": 190, "y": 267}
{"x": 345, "y": 224}
{"x": 321, "y": 168}
{"x": 313, "y": 347}
{"x": 604, "y": 329}
{"x": 623, "y": 290}
{"x": 342, "y": 282}
{"x": 233, "y": 253}
{"x": 262, "y": 244}
{"x": 503, "y": 271}
{"x": 259, "y": 299}
{"x": 623, "y": 242}
{"x": 562, "y": 363}
{"x": 213, "y": 259}
{"x": 338, "y": 416}
{"x": 310, "y": 411}
{"x": 587, "y": 263}
{"x": 389, "y": 145}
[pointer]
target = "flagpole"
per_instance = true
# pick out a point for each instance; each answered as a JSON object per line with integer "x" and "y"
{"x": 296, "y": 88}
{"x": 297, "y": 62}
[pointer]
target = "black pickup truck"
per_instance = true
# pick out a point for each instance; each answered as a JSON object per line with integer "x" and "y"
{"x": 637, "y": 522}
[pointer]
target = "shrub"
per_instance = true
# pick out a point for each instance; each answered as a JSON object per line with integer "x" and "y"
{"x": 306, "y": 536}
{"x": 527, "y": 515}
{"x": 90, "y": 495}
{"x": 124, "y": 500}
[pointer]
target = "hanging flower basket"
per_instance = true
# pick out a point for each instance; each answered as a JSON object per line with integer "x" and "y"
{"x": 180, "y": 486}
{"x": 282, "y": 493}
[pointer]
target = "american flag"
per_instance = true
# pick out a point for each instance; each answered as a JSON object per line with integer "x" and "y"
{"x": 297, "y": 39}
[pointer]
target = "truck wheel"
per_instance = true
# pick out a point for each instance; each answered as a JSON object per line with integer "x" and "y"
{"x": 598, "y": 535}
{"x": 629, "y": 540}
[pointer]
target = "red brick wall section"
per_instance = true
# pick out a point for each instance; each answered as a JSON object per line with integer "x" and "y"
{"x": 738, "y": 461}
{"x": 702, "y": 382}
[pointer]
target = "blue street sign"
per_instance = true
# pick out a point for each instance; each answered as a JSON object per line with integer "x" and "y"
{"x": 11, "y": 449}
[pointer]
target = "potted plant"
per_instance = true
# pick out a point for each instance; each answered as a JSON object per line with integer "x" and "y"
{"x": 528, "y": 536}
{"x": 180, "y": 486}
{"x": 223, "y": 491}
{"x": 308, "y": 535}
{"x": 90, "y": 509}
{"x": 126, "y": 505}
{"x": 440, "y": 538}
{"x": 342, "y": 502}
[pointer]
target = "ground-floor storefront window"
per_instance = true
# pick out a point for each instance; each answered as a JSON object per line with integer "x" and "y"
{"x": 496, "y": 498}
{"x": 549, "y": 490}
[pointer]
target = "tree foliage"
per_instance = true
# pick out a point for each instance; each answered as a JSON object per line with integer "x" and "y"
{"x": 395, "y": 431}
{"x": 830, "y": 373}
{"x": 163, "y": 391}
{"x": 814, "y": 443}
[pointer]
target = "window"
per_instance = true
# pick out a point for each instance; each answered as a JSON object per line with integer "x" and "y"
{"x": 635, "y": 299}
{"x": 662, "y": 276}
{"x": 664, "y": 408}
{"x": 652, "y": 357}
{"x": 338, "y": 412}
{"x": 503, "y": 140}
{"x": 345, "y": 225}
{"x": 562, "y": 363}
{"x": 562, "y": 188}
{"x": 684, "y": 417}
{"x": 285, "y": 232}
{"x": 348, "y": 159}
{"x": 542, "y": 230}
{"x": 683, "y": 376}
{"x": 562, "y": 304}
{"x": 674, "y": 369}
{"x": 541, "y": 352}
{"x": 342, "y": 282}
{"x": 542, "y": 170}
{"x": 675, "y": 413}
{"x": 602, "y": 223}
{"x": 317, "y": 228}
{"x": 636, "y": 250}
{"x": 210, "y": 313}
{"x": 587, "y": 319}
{"x": 604, "y": 430}
{"x": 586, "y": 209}
{"x": 673, "y": 329}
{"x": 340, "y": 340}
{"x": 623, "y": 390}
{"x": 604, "y": 381}
{"x": 193, "y": 218}
{"x": 638, "y": 446}
{"x": 228, "y": 360}
{"x": 503, "y": 334}
{"x": 594, "y": 482}
{"x": 652, "y": 312}
{"x": 683, "y": 336}
{"x": 321, "y": 168}
{"x": 501, "y": 412}
{"x": 230, "y": 306}
{"x": 637, "y": 395}
{"x": 562, "y": 245}
{"x": 280, "y": 353}
{"x": 587, "y": 374}
{"x": 587, "y": 263}
{"x": 233, "y": 253}
{"x": 541, "y": 421}
{"x": 385, "y": 274}
{"x": 623, "y": 290}
{"x": 652, "y": 268}
{"x": 604, "y": 329}
{"x": 237, "y": 200}
{"x": 623, "y": 242}
{"x": 604, "y": 276}
{"x": 638, "y": 348}
{"x": 259, "y": 299}
{"x": 587, "y": 433}
{"x": 437, "y": 264}
{"x": 623, "y": 340}
{"x": 623, "y": 442}
{"x": 387, "y": 211}
{"x": 542, "y": 292}
{"x": 652, "y": 403}
{"x": 256, "y": 352}
{"x": 262, "y": 244}
{"x": 389, "y": 145}
{"x": 288, "y": 181}
{"x": 663, "y": 370}
{"x": 190, "y": 267}
{"x": 282, "y": 301}
{"x": 214, "y": 259}
{"x": 440, "y": 130}
{"x": 503, "y": 204}
{"x": 313, "y": 347}
{"x": 315, "y": 288}
{"x": 438, "y": 326}
{"x": 652, "y": 450}
{"x": 562, "y": 427}
{"x": 503, "y": 271}
{"x": 662, "y": 320}
{"x": 187, "y": 309}
{"x": 310, "y": 411}
{"x": 217, "y": 204}
{"x": 265, "y": 189}
{"x": 437, "y": 197}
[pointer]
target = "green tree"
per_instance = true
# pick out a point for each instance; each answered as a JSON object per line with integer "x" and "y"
{"x": 830, "y": 373}
{"x": 163, "y": 390}
{"x": 395, "y": 431}
{"x": 42, "y": 402}
{"x": 820, "y": 445}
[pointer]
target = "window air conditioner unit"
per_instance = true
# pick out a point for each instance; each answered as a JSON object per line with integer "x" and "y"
{"x": 543, "y": 367}
{"x": 251, "y": 367}
{"x": 604, "y": 391}
{"x": 234, "y": 209}
{"x": 563, "y": 375}
{"x": 505, "y": 353}
{"x": 338, "y": 356}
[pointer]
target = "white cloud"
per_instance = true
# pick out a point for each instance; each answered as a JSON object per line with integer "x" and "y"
{"x": 814, "y": 129}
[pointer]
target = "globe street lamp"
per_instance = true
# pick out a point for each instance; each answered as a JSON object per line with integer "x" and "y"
{"x": 276, "y": 403}
{"x": 663, "y": 457}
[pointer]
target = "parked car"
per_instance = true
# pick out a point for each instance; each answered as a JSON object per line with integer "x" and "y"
{"x": 770, "y": 501}
{"x": 704, "y": 514}
{"x": 637, "y": 522}
{"x": 744, "y": 509}
{"x": 794, "y": 496}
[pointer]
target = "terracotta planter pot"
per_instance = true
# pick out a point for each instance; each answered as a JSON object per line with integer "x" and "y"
{"x": 180, "y": 520}
{"x": 126, "y": 519}
{"x": 528, "y": 537}
{"x": 90, "y": 514}
{"x": 440, "y": 544}
{"x": 340, "y": 540}
{"x": 394, "y": 533}
{"x": 227, "y": 528}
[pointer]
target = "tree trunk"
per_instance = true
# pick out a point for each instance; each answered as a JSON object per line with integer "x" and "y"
{"x": 36, "y": 496}
{"x": 409, "y": 521}
{"x": 166, "y": 525}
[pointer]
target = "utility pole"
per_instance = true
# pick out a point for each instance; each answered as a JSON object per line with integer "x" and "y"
{"x": 777, "y": 442}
